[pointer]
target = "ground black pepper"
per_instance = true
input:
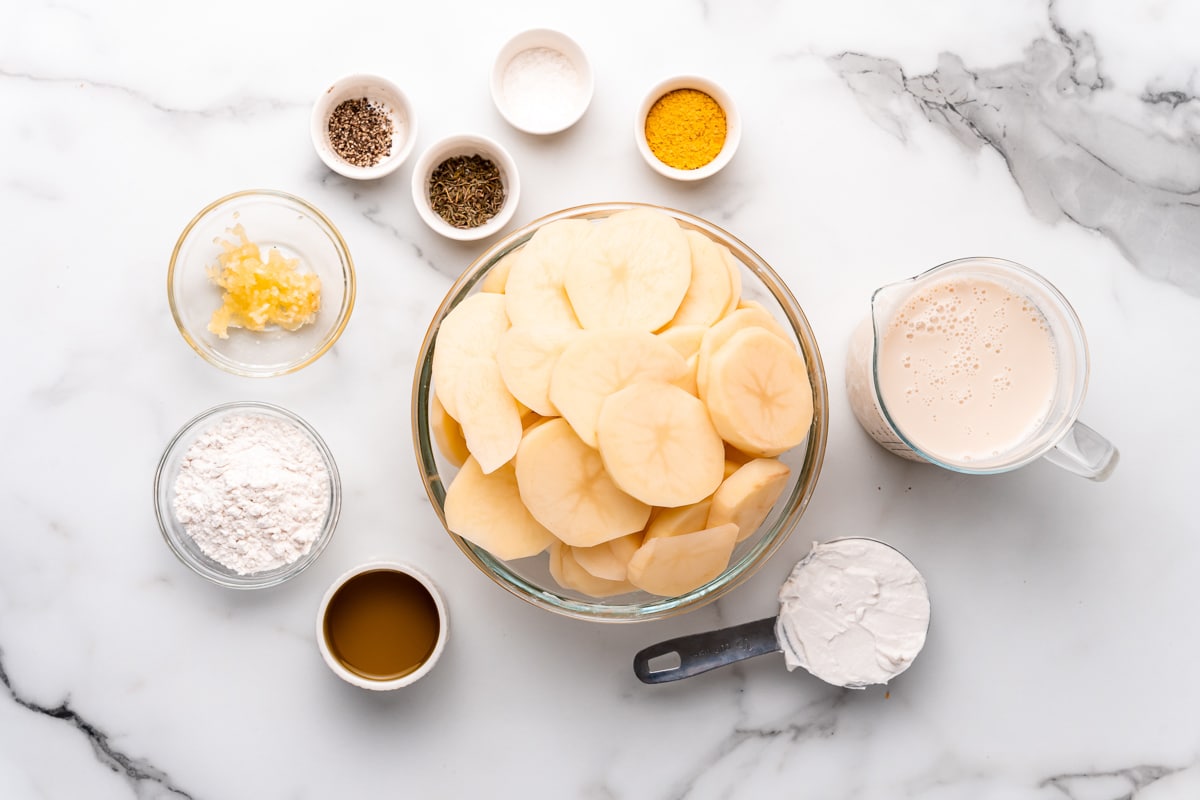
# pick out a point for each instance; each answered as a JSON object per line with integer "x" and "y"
{"x": 360, "y": 132}
{"x": 466, "y": 191}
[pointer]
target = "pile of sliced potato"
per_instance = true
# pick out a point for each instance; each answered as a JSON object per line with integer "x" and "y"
{"x": 610, "y": 397}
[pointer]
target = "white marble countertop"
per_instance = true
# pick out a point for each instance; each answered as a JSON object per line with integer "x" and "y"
{"x": 881, "y": 138}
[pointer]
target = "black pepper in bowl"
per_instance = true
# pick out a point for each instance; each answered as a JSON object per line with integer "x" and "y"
{"x": 466, "y": 191}
{"x": 360, "y": 132}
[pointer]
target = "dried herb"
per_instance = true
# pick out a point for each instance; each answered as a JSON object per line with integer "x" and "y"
{"x": 466, "y": 191}
{"x": 360, "y": 132}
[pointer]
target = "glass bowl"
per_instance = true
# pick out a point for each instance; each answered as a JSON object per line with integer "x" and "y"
{"x": 271, "y": 219}
{"x": 182, "y": 543}
{"x": 530, "y": 578}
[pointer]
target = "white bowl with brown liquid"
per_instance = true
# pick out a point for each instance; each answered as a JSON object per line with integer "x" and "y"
{"x": 382, "y": 625}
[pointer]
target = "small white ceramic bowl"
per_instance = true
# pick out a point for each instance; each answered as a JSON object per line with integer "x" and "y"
{"x": 733, "y": 127}
{"x": 355, "y": 679}
{"x": 465, "y": 145}
{"x": 379, "y": 90}
{"x": 548, "y": 102}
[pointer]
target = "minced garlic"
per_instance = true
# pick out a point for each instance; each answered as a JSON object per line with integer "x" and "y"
{"x": 258, "y": 293}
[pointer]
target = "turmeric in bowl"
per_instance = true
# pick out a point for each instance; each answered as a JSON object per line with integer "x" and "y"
{"x": 686, "y": 129}
{"x": 260, "y": 293}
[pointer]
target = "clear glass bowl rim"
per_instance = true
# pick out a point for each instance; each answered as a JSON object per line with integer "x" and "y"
{"x": 344, "y": 257}
{"x": 223, "y": 577}
{"x": 659, "y": 608}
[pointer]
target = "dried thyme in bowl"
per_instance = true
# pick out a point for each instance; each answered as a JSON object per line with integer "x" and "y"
{"x": 466, "y": 191}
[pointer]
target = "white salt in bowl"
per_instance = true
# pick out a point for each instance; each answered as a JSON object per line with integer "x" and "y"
{"x": 465, "y": 145}
{"x": 379, "y": 90}
{"x": 542, "y": 82}
{"x": 181, "y": 542}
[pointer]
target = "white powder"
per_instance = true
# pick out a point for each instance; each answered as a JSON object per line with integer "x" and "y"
{"x": 542, "y": 89}
{"x": 854, "y": 612}
{"x": 253, "y": 493}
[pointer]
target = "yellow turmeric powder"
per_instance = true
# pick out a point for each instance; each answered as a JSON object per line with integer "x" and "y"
{"x": 685, "y": 129}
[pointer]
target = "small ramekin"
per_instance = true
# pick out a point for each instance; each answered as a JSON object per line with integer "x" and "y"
{"x": 559, "y": 43}
{"x": 465, "y": 145}
{"x": 733, "y": 127}
{"x": 355, "y": 679}
{"x": 380, "y": 90}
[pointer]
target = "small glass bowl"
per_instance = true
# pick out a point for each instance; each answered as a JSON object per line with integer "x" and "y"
{"x": 530, "y": 578}
{"x": 185, "y": 547}
{"x": 270, "y": 219}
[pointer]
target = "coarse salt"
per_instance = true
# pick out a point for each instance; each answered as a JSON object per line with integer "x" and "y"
{"x": 543, "y": 91}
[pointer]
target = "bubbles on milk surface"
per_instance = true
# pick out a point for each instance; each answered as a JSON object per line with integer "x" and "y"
{"x": 967, "y": 368}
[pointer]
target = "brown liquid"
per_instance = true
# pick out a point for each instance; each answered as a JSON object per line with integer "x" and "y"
{"x": 382, "y": 624}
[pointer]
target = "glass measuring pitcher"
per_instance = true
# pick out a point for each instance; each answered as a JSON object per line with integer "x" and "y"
{"x": 979, "y": 366}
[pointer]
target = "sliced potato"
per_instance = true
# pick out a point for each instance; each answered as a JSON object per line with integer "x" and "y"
{"x": 447, "y": 432}
{"x": 497, "y": 276}
{"x": 597, "y": 363}
{"x": 710, "y": 291}
{"x": 758, "y": 393}
{"x": 659, "y": 445}
{"x": 684, "y": 338}
{"x": 526, "y": 357}
{"x": 534, "y": 290}
{"x": 687, "y": 381}
{"x": 564, "y": 485}
{"x": 565, "y": 569}
{"x": 631, "y": 271}
{"x": 749, "y": 317}
{"x": 735, "y": 279}
{"x": 490, "y": 417}
{"x": 605, "y": 401}
{"x": 676, "y": 521}
{"x": 531, "y": 419}
{"x": 674, "y": 565}
{"x": 487, "y": 511}
{"x": 736, "y": 456}
{"x": 746, "y": 497}
{"x": 610, "y": 559}
{"x": 470, "y": 331}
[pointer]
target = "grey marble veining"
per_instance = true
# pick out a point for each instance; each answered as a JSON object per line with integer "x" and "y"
{"x": 146, "y": 781}
{"x": 1128, "y": 169}
{"x": 1063, "y": 615}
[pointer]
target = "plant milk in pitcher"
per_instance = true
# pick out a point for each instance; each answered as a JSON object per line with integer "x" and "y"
{"x": 967, "y": 369}
{"x": 980, "y": 366}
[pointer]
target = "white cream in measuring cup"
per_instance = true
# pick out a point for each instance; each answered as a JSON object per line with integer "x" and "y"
{"x": 979, "y": 366}
{"x": 854, "y": 612}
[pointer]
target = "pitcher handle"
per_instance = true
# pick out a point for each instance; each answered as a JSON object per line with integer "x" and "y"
{"x": 1086, "y": 453}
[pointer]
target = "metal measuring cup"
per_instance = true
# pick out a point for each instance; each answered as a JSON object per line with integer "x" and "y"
{"x": 685, "y": 656}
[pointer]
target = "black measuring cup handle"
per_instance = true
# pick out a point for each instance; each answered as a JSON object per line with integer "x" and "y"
{"x": 701, "y": 652}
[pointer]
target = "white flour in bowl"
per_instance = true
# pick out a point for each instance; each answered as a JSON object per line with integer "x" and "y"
{"x": 253, "y": 493}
